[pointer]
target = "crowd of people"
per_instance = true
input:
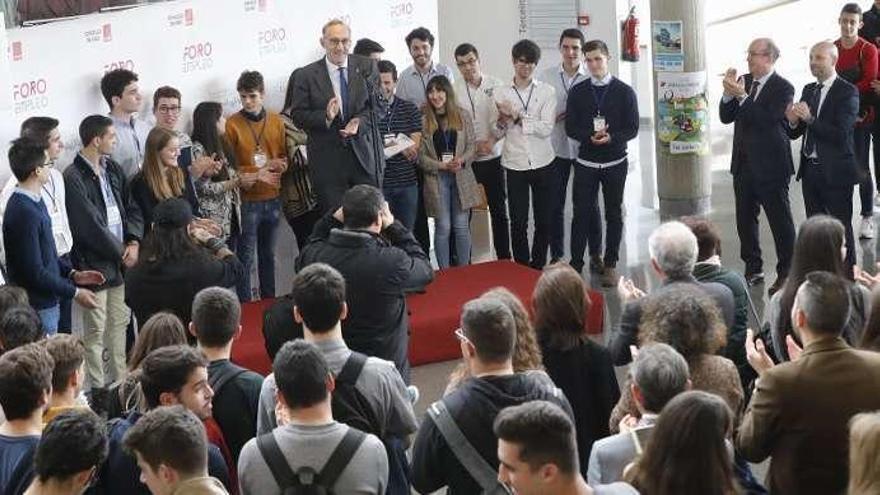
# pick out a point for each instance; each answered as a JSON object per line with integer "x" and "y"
{"x": 154, "y": 233}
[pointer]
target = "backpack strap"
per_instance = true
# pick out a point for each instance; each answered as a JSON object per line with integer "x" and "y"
{"x": 340, "y": 457}
{"x": 226, "y": 374}
{"x": 271, "y": 453}
{"x": 352, "y": 368}
{"x": 467, "y": 455}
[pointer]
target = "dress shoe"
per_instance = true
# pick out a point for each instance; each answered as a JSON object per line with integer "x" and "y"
{"x": 609, "y": 277}
{"x": 597, "y": 265}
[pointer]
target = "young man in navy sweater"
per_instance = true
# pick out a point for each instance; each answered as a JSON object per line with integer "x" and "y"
{"x": 32, "y": 261}
{"x": 603, "y": 115}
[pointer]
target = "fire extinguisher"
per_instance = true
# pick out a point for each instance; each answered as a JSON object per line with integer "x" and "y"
{"x": 630, "y": 51}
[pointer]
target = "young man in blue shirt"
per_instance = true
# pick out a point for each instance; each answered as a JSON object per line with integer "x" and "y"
{"x": 31, "y": 255}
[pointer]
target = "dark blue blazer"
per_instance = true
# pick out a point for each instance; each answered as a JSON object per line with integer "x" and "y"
{"x": 832, "y": 132}
{"x": 759, "y": 131}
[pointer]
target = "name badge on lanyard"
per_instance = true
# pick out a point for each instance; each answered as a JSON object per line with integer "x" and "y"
{"x": 598, "y": 123}
{"x": 113, "y": 216}
{"x": 62, "y": 243}
{"x": 260, "y": 158}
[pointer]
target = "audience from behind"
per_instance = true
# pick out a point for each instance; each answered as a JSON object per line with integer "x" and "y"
{"x": 369, "y": 393}
{"x": 673, "y": 250}
{"x": 819, "y": 247}
{"x": 688, "y": 451}
{"x": 107, "y": 229}
{"x": 308, "y": 438}
{"x": 68, "y": 375}
{"x": 442, "y": 457}
{"x": 25, "y": 388}
{"x": 179, "y": 258}
{"x": 161, "y": 177}
{"x": 121, "y": 91}
{"x": 10, "y": 297}
{"x": 526, "y": 353}
{"x": 576, "y": 364}
{"x": 366, "y": 47}
{"x": 170, "y": 446}
{"x": 658, "y": 374}
{"x": 259, "y": 156}
{"x": 171, "y": 375}
{"x": 216, "y": 324}
{"x": 802, "y": 407}
{"x": 72, "y": 448}
{"x": 381, "y": 262}
{"x": 218, "y": 193}
{"x": 708, "y": 268}
{"x": 19, "y": 325}
{"x": 864, "y": 450}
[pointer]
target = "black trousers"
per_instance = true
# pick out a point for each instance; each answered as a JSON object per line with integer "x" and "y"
{"x": 823, "y": 198}
{"x": 519, "y": 184}
{"x": 490, "y": 174}
{"x": 302, "y": 226}
{"x": 586, "y": 222}
{"x": 862, "y": 148}
{"x": 420, "y": 230}
{"x": 561, "y": 173}
{"x": 750, "y": 196}
{"x": 333, "y": 172}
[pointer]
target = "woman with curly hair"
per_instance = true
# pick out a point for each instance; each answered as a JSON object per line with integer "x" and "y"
{"x": 687, "y": 319}
{"x": 526, "y": 355}
{"x": 577, "y": 365}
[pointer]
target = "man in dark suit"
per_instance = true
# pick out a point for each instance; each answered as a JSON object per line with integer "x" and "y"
{"x": 825, "y": 117}
{"x": 761, "y": 162}
{"x": 334, "y": 101}
{"x": 800, "y": 409}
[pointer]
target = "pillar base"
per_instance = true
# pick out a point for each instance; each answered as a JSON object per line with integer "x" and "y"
{"x": 671, "y": 209}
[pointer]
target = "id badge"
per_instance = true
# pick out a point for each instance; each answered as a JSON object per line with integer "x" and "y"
{"x": 598, "y": 123}
{"x": 62, "y": 244}
{"x": 113, "y": 216}
{"x": 260, "y": 159}
{"x": 389, "y": 139}
{"x": 446, "y": 157}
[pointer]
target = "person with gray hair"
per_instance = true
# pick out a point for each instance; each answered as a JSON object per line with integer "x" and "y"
{"x": 673, "y": 250}
{"x": 455, "y": 445}
{"x": 658, "y": 374}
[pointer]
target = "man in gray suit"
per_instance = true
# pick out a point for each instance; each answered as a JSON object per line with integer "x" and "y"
{"x": 335, "y": 101}
{"x": 658, "y": 374}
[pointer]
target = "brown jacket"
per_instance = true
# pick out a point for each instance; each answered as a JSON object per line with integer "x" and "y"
{"x": 709, "y": 373}
{"x": 200, "y": 486}
{"x": 429, "y": 161}
{"x": 799, "y": 416}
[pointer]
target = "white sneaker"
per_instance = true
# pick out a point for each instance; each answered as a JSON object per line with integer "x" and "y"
{"x": 866, "y": 229}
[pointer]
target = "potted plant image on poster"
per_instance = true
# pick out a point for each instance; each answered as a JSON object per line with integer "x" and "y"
{"x": 683, "y": 112}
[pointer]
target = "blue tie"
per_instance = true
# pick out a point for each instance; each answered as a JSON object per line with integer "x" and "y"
{"x": 343, "y": 91}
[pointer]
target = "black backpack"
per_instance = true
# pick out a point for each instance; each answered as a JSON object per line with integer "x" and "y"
{"x": 349, "y": 404}
{"x": 306, "y": 481}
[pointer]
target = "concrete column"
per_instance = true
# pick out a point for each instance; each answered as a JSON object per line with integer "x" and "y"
{"x": 684, "y": 181}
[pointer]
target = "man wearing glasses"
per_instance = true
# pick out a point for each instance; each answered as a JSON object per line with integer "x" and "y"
{"x": 761, "y": 162}
{"x": 334, "y": 101}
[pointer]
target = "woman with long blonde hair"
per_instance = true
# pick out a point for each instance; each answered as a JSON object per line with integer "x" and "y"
{"x": 864, "y": 451}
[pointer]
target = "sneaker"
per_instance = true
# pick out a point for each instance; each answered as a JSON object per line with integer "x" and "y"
{"x": 866, "y": 229}
{"x": 609, "y": 277}
{"x": 596, "y": 264}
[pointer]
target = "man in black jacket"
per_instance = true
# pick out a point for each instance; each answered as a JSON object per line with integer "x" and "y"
{"x": 761, "y": 162}
{"x": 488, "y": 337}
{"x": 107, "y": 227}
{"x": 381, "y": 261}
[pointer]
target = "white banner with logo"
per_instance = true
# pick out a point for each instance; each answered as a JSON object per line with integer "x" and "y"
{"x": 198, "y": 46}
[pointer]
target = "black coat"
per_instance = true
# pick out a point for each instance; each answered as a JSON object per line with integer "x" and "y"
{"x": 147, "y": 201}
{"x": 379, "y": 270}
{"x": 760, "y": 140}
{"x": 94, "y": 245}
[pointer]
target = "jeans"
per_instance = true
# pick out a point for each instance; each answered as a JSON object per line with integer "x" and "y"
{"x": 519, "y": 182}
{"x": 403, "y": 202}
{"x": 490, "y": 174}
{"x": 559, "y": 188}
{"x": 104, "y": 329}
{"x": 259, "y": 229}
{"x": 451, "y": 219}
{"x": 586, "y": 222}
{"x": 50, "y": 317}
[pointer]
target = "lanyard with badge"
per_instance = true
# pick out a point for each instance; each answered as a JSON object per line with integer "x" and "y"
{"x": 114, "y": 217}
{"x": 260, "y": 158}
{"x": 448, "y": 153}
{"x": 568, "y": 87}
{"x": 467, "y": 89}
{"x": 62, "y": 244}
{"x": 388, "y": 137}
{"x": 525, "y": 103}
{"x": 598, "y": 120}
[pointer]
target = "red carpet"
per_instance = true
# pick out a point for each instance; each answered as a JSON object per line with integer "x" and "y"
{"x": 434, "y": 315}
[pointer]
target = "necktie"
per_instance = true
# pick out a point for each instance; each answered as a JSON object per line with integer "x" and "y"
{"x": 809, "y": 145}
{"x": 343, "y": 91}
{"x": 754, "y": 92}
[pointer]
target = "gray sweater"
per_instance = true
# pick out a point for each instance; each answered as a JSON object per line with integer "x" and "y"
{"x": 366, "y": 473}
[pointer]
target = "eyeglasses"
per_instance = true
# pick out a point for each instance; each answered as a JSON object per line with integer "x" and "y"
{"x": 338, "y": 41}
{"x": 165, "y": 109}
{"x": 459, "y": 334}
{"x": 757, "y": 54}
{"x": 466, "y": 63}
{"x": 93, "y": 477}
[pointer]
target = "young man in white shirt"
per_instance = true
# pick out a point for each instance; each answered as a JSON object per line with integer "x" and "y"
{"x": 563, "y": 77}
{"x": 526, "y": 113}
{"x": 475, "y": 92}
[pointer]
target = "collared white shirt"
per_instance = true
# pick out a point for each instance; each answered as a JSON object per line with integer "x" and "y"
{"x": 564, "y": 146}
{"x": 479, "y": 103}
{"x": 333, "y": 72}
{"x": 412, "y": 84}
{"x": 527, "y": 145}
{"x": 54, "y": 197}
{"x": 131, "y": 142}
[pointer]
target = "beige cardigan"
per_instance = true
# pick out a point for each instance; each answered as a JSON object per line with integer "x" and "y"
{"x": 468, "y": 190}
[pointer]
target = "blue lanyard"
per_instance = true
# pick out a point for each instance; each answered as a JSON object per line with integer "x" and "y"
{"x": 525, "y": 103}
{"x": 573, "y": 80}
{"x": 598, "y": 100}
{"x": 446, "y": 143}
